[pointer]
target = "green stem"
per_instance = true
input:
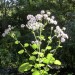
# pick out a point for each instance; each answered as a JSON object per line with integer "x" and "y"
{"x": 39, "y": 45}
{"x": 25, "y": 49}
{"x": 57, "y": 47}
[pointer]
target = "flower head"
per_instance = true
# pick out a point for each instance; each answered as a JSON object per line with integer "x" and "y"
{"x": 29, "y": 17}
{"x": 38, "y": 17}
{"x": 7, "y": 30}
{"x": 42, "y": 11}
{"x": 22, "y": 25}
{"x": 61, "y": 34}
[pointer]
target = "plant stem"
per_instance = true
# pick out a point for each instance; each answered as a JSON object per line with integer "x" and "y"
{"x": 24, "y": 49}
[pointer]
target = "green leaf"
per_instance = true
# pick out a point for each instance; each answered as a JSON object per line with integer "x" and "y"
{"x": 49, "y": 37}
{"x": 26, "y": 45}
{"x": 21, "y": 51}
{"x": 48, "y": 48}
{"x": 12, "y": 35}
{"x": 24, "y": 67}
{"x": 38, "y": 65}
{"x": 49, "y": 56}
{"x": 36, "y": 73}
{"x": 17, "y": 42}
{"x": 43, "y": 50}
{"x": 34, "y": 46}
{"x": 45, "y": 60}
{"x": 44, "y": 72}
{"x": 42, "y": 37}
{"x": 35, "y": 52}
{"x": 33, "y": 58}
{"x": 46, "y": 69}
{"x": 57, "y": 62}
{"x": 52, "y": 60}
{"x": 41, "y": 54}
{"x": 33, "y": 69}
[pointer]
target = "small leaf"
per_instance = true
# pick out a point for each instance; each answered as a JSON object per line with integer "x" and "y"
{"x": 21, "y": 51}
{"x": 26, "y": 45}
{"x": 41, "y": 54}
{"x": 49, "y": 37}
{"x": 57, "y": 62}
{"x": 13, "y": 35}
{"x": 34, "y": 46}
{"x": 35, "y": 52}
{"x": 33, "y": 58}
{"x": 42, "y": 37}
{"x": 17, "y": 42}
{"x": 36, "y": 73}
{"x": 48, "y": 47}
{"x": 24, "y": 67}
{"x": 43, "y": 50}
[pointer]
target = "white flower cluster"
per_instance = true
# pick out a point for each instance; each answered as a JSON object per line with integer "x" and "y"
{"x": 36, "y": 42}
{"x": 22, "y": 25}
{"x": 34, "y": 22}
{"x": 61, "y": 34}
{"x": 7, "y": 30}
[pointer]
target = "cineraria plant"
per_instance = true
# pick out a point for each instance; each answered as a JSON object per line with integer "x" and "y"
{"x": 40, "y": 59}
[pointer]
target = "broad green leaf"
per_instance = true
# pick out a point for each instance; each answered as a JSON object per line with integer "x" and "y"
{"x": 57, "y": 62}
{"x": 36, "y": 73}
{"x": 33, "y": 58}
{"x": 52, "y": 60}
{"x": 48, "y": 48}
{"x": 49, "y": 56}
{"x": 26, "y": 45}
{"x": 34, "y": 46}
{"x": 45, "y": 60}
{"x": 21, "y": 51}
{"x": 17, "y": 42}
{"x": 24, "y": 67}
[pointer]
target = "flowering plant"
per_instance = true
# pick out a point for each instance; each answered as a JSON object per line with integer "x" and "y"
{"x": 41, "y": 58}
